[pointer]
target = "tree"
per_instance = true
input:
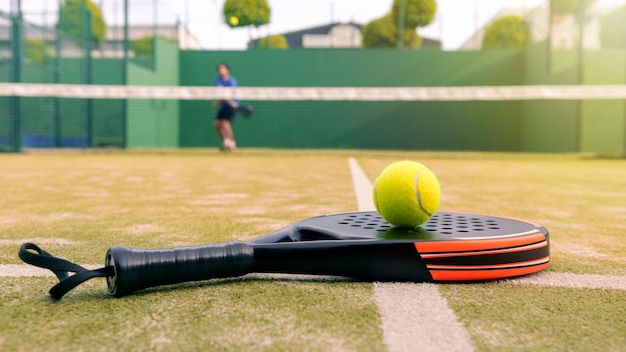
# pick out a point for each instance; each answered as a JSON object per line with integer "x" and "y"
{"x": 565, "y": 7}
{"x": 276, "y": 41}
{"x": 37, "y": 51}
{"x": 506, "y": 32}
{"x": 144, "y": 46}
{"x": 383, "y": 33}
{"x": 72, "y": 17}
{"x": 613, "y": 27}
{"x": 417, "y": 13}
{"x": 242, "y": 13}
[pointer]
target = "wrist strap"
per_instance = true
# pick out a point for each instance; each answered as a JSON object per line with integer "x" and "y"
{"x": 31, "y": 254}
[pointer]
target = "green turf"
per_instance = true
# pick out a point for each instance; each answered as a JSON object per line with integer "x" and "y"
{"x": 77, "y": 205}
{"x": 502, "y": 317}
{"x": 230, "y": 315}
{"x": 151, "y": 200}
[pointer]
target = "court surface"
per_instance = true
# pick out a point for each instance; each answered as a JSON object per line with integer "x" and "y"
{"x": 77, "y": 205}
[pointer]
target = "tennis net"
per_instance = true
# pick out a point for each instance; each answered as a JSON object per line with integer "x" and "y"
{"x": 493, "y": 118}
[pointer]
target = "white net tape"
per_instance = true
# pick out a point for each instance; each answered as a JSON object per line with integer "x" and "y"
{"x": 537, "y": 92}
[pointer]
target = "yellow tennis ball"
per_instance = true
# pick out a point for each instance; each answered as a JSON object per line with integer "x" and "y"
{"x": 233, "y": 20}
{"x": 407, "y": 194}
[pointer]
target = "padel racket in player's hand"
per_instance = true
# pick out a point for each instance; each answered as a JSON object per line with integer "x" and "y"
{"x": 246, "y": 110}
{"x": 361, "y": 245}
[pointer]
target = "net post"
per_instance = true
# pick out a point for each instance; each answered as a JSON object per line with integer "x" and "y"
{"x": 88, "y": 39}
{"x": 125, "y": 78}
{"x": 155, "y": 16}
{"x": 58, "y": 48}
{"x": 549, "y": 40}
{"x": 624, "y": 111}
{"x": 581, "y": 32}
{"x": 17, "y": 48}
{"x": 400, "y": 24}
{"x": 581, "y": 70}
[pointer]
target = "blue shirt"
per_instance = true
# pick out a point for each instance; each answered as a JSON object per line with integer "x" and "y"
{"x": 229, "y": 82}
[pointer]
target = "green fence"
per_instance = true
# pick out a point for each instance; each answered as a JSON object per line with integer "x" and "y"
{"x": 47, "y": 56}
{"x": 34, "y": 54}
{"x": 596, "y": 126}
{"x": 154, "y": 123}
{"x": 380, "y": 125}
{"x": 588, "y": 126}
{"x": 7, "y": 104}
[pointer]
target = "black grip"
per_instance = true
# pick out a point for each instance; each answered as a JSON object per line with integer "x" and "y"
{"x": 136, "y": 269}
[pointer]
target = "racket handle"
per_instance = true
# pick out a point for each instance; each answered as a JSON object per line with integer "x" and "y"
{"x": 137, "y": 269}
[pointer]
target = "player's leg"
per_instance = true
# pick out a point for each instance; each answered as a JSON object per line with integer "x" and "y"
{"x": 229, "y": 135}
{"x": 228, "y": 116}
{"x": 218, "y": 125}
{"x": 222, "y": 125}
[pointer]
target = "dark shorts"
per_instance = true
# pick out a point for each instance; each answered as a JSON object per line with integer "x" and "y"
{"x": 226, "y": 113}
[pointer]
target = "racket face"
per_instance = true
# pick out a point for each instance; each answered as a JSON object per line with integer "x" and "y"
{"x": 453, "y": 246}
{"x": 246, "y": 110}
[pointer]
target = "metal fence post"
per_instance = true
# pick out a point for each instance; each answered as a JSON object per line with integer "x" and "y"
{"x": 17, "y": 48}
{"x": 88, "y": 39}
{"x": 58, "y": 47}
{"x": 125, "y": 76}
{"x": 400, "y": 24}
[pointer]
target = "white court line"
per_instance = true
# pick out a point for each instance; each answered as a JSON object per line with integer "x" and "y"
{"x": 414, "y": 316}
{"x": 12, "y": 270}
{"x": 15, "y": 270}
{"x": 546, "y": 278}
{"x": 362, "y": 186}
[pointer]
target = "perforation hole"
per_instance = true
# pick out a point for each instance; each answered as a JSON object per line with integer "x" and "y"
{"x": 444, "y": 224}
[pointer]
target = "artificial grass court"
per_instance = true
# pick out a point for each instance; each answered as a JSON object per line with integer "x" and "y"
{"x": 77, "y": 205}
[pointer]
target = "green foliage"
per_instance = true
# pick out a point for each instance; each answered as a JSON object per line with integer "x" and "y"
{"x": 72, "y": 18}
{"x": 37, "y": 51}
{"x": 417, "y": 13}
{"x": 276, "y": 41}
{"x": 564, "y": 7}
{"x": 613, "y": 29}
{"x": 506, "y": 32}
{"x": 383, "y": 33}
{"x": 248, "y": 12}
{"x": 144, "y": 46}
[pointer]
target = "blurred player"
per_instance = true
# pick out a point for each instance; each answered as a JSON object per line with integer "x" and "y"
{"x": 227, "y": 109}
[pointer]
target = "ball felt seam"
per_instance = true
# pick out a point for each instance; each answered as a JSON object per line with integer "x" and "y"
{"x": 417, "y": 193}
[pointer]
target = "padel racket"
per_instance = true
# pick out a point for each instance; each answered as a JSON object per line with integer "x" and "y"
{"x": 246, "y": 110}
{"x": 362, "y": 245}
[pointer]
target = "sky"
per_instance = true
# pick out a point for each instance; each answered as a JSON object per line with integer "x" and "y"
{"x": 455, "y": 21}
